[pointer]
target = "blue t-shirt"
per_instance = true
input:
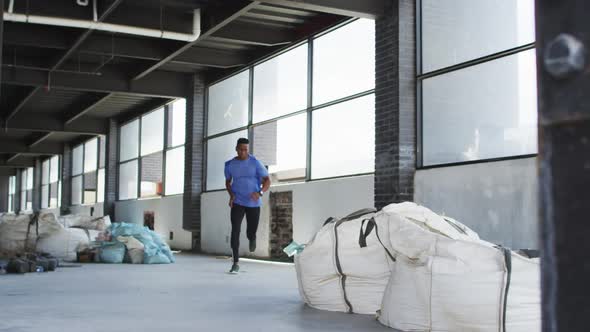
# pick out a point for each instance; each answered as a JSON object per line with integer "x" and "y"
{"x": 246, "y": 176}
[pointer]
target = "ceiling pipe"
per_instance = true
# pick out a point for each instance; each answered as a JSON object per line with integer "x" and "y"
{"x": 110, "y": 27}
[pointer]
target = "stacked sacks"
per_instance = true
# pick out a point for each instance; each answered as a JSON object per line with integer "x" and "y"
{"x": 444, "y": 281}
{"x": 20, "y": 233}
{"x": 74, "y": 235}
{"x": 344, "y": 267}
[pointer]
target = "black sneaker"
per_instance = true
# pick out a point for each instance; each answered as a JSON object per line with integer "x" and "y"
{"x": 252, "y": 245}
{"x": 235, "y": 268}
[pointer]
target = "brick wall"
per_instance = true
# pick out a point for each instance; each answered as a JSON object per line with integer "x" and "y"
{"x": 193, "y": 159}
{"x": 281, "y": 223}
{"x": 111, "y": 169}
{"x": 395, "y": 103}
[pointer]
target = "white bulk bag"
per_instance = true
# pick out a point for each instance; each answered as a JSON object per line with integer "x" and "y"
{"x": 85, "y": 221}
{"x": 66, "y": 243}
{"x": 337, "y": 272}
{"x": 19, "y": 233}
{"x": 443, "y": 282}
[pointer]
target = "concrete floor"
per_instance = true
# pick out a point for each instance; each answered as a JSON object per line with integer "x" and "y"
{"x": 195, "y": 294}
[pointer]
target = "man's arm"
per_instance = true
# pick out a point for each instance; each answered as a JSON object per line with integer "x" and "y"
{"x": 230, "y": 192}
{"x": 265, "y": 184}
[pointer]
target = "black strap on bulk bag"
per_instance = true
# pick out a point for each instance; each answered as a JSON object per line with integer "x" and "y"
{"x": 391, "y": 256}
{"x": 455, "y": 226}
{"x": 363, "y": 235}
{"x": 508, "y": 261}
{"x": 329, "y": 220}
{"x": 359, "y": 213}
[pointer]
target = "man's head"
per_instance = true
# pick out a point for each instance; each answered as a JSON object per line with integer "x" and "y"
{"x": 242, "y": 148}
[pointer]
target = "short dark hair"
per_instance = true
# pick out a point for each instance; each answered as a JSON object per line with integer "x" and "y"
{"x": 242, "y": 141}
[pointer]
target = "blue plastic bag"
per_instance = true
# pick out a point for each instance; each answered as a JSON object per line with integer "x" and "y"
{"x": 112, "y": 252}
{"x": 156, "y": 251}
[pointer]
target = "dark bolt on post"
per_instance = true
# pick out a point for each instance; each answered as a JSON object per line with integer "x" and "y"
{"x": 564, "y": 56}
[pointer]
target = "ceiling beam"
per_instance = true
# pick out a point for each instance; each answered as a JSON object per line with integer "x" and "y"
{"x": 253, "y": 34}
{"x": 85, "y": 105}
{"x": 160, "y": 84}
{"x": 142, "y": 109}
{"x": 352, "y": 8}
{"x": 18, "y": 146}
{"x": 222, "y": 22}
{"x": 22, "y": 103}
{"x": 45, "y": 123}
{"x": 7, "y": 164}
{"x": 7, "y": 171}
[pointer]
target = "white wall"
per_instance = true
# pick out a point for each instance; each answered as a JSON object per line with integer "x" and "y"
{"x": 167, "y": 214}
{"x": 498, "y": 199}
{"x": 313, "y": 203}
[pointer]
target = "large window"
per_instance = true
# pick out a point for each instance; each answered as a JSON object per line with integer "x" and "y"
{"x": 294, "y": 110}
{"x": 11, "y": 193}
{"x": 151, "y": 154}
{"x": 477, "y": 81}
{"x": 26, "y": 189}
{"x": 87, "y": 172}
{"x": 50, "y": 183}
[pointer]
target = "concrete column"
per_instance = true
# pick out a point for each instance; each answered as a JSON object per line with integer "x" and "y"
{"x": 17, "y": 185}
{"x": 4, "y": 182}
{"x": 37, "y": 171}
{"x": 193, "y": 159}
{"x": 395, "y": 103}
{"x": 66, "y": 179}
{"x": 111, "y": 174}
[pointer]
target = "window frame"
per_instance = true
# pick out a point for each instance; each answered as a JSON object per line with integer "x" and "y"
{"x": 309, "y": 109}
{"x": 421, "y": 76}
{"x": 167, "y": 108}
{"x": 83, "y": 174}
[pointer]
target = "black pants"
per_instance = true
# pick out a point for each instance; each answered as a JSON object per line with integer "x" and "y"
{"x": 237, "y": 215}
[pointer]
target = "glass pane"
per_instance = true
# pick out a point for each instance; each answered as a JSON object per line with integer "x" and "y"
{"x": 78, "y": 160}
{"x": 102, "y": 152}
{"x": 90, "y": 155}
{"x": 45, "y": 196}
{"x": 343, "y": 138}
{"x": 77, "y": 190}
{"x": 54, "y": 169}
{"x": 129, "y": 141}
{"x": 152, "y": 132}
{"x": 23, "y": 200}
{"x": 455, "y": 31}
{"x": 280, "y": 85}
{"x": 12, "y": 185}
{"x": 30, "y": 178}
{"x": 10, "y": 202}
{"x": 175, "y": 171}
{"x": 100, "y": 189}
{"x": 59, "y": 194}
{"x": 344, "y": 62}
{"x": 29, "y": 206}
{"x": 151, "y": 175}
{"x": 128, "y": 180}
{"x": 282, "y": 147}
{"x": 53, "y": 195}
{"x": 481, "y": 112}
{"x": 177, "y": 123}
{"x": 220, "y": 150}
{"x": 90, "y": 188}
{"x": 45, "y": 172}
{"x": 228, "y": 104}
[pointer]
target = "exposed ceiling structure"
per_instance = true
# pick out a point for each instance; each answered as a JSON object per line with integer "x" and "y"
{"x": 70, "y": 65}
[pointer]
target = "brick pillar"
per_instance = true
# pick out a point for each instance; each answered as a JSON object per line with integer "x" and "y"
{"x": 110, "y": 183}
{"x": 193, "y": 159}
{"x": 37, "y": 171}
{"x": 395, "y": 103}
{"x": 66, "y": 179}
{"x": 281, "y": 223}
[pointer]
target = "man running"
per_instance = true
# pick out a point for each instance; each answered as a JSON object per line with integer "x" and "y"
{"x": 246, "y": 179}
